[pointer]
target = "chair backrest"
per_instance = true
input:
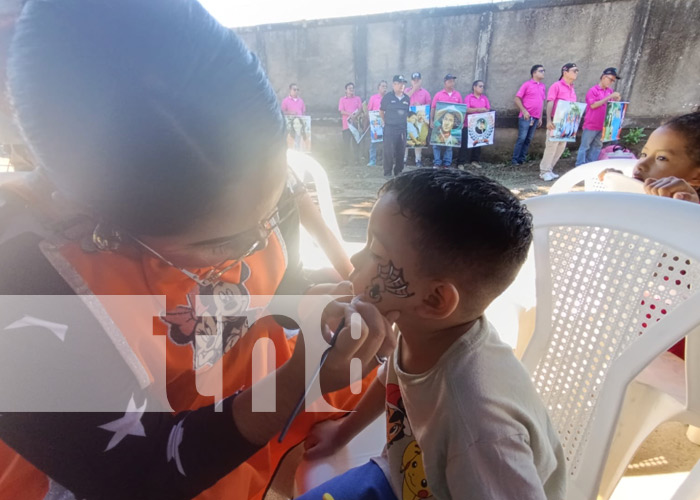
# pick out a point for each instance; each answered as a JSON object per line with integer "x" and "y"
{"x": 588, "y": 173}
{"x": 616, "y": 282}
{"x": 302, "y": 164}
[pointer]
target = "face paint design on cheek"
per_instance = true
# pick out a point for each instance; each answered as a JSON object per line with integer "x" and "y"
{"x": 389, "y": 279}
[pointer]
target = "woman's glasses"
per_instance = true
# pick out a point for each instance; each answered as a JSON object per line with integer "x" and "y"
{"x": 242, "y": 245}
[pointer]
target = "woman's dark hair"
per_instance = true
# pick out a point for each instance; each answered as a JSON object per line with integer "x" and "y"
{"x": 476, "y": 82}
{"x": 464, "y": 224}
{"x": 689, "y": 126}
{"x": 535, "y": 68}
{"x": 135, "y": 108}
{"x": 566, "y": 68}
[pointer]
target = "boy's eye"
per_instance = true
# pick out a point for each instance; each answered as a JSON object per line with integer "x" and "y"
{"x": 661, "y": 158}
{"x": 643, "y": 155}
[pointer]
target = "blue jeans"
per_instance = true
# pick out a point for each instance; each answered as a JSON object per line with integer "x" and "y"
{"x": 525, "y": 133}
{"x": 373, "y": 152}
{"x": 366, "y": 482}
{"x": 443, "y": 153}
{"x": 590, "y": 147}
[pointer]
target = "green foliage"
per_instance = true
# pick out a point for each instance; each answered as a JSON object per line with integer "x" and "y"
{"x": 633, "y": 136}
{"x": 566, "y": 153}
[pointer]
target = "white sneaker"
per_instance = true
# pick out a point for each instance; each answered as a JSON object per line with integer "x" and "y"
{"x": 556, "y": 176}
{"x": 548, "y": 176}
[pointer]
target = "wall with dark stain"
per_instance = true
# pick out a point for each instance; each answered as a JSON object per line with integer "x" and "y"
{"x": 654, "y": 43}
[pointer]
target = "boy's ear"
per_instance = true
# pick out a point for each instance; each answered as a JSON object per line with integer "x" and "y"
{"x": 441, "y": 300}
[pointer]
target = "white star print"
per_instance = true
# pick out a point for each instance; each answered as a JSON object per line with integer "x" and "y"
{"x": 58, "y": 329}
{"x": 128, "y": 425}
{"x": 174, "y": 441}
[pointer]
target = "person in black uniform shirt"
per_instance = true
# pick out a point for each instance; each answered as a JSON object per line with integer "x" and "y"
{"x": 394, "y": 111}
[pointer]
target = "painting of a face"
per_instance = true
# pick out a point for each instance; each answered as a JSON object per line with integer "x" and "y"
{"x": 448, "y": 122}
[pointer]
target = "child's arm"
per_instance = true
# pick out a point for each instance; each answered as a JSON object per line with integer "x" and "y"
{"x": 312, "y": 220}
{"x": 329, "y": 436}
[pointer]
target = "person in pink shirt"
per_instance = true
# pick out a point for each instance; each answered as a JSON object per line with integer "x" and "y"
{"x": 373, "y": 105}
{"x": 597, "y": 99}
{"x": 476, "y": 102}
{"x": 442, "y": 155}
{"x": 530, "y": 101}
{"x": 293, "y": 104}
{"x": 350, "y": 105}
{"x": 419, "y": 97}
{"x": 561, "y": 90}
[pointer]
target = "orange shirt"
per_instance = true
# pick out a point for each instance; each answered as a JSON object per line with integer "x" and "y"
{"x": 104, "y": 274}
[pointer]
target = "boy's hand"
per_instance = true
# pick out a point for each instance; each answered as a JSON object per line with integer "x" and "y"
{"x": 324, "y": 439}
{"x": 671, "y": 187}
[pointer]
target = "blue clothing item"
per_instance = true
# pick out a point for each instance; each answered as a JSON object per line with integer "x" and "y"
{"x": 373, "y": 153}
{"x": 525, "y": 133}
{"x": 442, "y": 156}
{"x": 366, "y": 482}
{"x": 590, "y": 147}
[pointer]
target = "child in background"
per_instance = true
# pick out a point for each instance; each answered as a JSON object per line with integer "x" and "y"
{"x": 463, "y": 417}
{"x": 670, "y": 166}
{"x": 670, "y": 161}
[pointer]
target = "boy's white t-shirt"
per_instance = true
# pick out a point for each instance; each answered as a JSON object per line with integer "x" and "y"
{"x": 472, "y": 427}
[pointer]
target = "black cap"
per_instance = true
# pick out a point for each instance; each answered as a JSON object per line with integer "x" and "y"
{"x": 567, "y": 67}
{"x": 399, "y": 78}
{"x": 449, "y": 76}
{"x": 613, "y": 72}
{"x": 416, "y": 76}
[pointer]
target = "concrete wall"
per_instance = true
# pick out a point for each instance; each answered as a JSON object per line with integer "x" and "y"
{"x": 654, "y": 43}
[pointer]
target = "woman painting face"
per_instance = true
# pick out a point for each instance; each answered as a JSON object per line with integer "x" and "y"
{"x": 297, "y": 125}
{"x": 448, "y": 121}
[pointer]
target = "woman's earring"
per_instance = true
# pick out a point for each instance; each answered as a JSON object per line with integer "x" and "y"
{"x": 106, "y": 238}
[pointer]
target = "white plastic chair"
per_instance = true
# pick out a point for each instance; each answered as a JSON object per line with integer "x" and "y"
{"x": 690, "y": 488}
{"x": 616, "y": 280}
{"x": 588, "y": 173}
{"x": 312, "y": 255}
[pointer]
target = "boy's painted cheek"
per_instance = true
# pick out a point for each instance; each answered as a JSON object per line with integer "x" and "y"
{"x": 389, "y": 279}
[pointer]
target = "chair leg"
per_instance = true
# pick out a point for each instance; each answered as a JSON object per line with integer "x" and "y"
{"x": 643, "y": 410}
{"x": 690, "y": 488}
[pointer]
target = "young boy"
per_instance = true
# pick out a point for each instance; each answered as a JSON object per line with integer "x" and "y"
{"x": 463, "y": 417}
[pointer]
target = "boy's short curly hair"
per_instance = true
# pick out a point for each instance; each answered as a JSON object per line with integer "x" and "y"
{"x": 689, "y": 126}
{"x": 466, "y": 226}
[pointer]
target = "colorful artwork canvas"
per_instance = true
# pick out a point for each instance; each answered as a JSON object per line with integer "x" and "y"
{"x": 480, "y": 128}
{"x": 614, "y": 115}
{"x": 567, "y": 119}
{"x": 418, "y": 126}
{"x": 447, "y": 124}
{"x": 299, "y": 133}
{"x": 356, "y": 125}
{"x": 376, "y": 129}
